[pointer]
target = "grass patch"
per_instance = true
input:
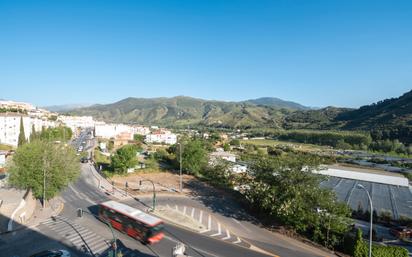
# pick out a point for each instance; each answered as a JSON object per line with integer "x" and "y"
{"x": 272, "y": 142}
{"x": 100, "y": 158}
{"x": 5, "y": 147}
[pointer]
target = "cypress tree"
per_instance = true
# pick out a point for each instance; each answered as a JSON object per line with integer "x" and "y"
{"x": 22, "y": 136}
{"x": 33, "y": 133}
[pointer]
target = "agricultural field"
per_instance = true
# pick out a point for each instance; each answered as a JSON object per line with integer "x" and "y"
{"x": 272, "y": 142}
{"x": 395, "y": 199}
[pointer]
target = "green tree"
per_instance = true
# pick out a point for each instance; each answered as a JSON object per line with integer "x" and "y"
{"x": 139, "y": 138}
{"x": 33, "y": 134}
{"x": 285, "y": 189}
{"x": 274, "y": 151}
{"x": 194, "y": 156}
{"x": 60, "y": 133}
{"x": 235, "y": 142}
{"x": 22, "y": 136}
{"x": 124, "y": 158}
{"x": 37, "y": 160}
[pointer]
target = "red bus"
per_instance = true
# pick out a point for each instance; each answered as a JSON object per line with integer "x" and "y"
{"x": 131, "y": 221}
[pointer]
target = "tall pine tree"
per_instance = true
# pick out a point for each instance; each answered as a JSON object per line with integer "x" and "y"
{"x": 22, "y": 136}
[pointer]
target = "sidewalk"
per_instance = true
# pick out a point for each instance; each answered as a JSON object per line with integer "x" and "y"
{"x": 10, "y": 199}
{"x": 53, "y": 208}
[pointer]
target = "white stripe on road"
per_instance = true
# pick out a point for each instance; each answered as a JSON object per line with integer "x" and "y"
{"x": 101, "y": 249}
{"x": 76, "y": 235}
{"x": 219, "y": 230}
{"x": 193, "y": 213}
{"x": 194, "y": 248}
{"x": 209, "y": 223}
{"x": 177, "y": 209}
{"x": 201, "y": 216}
{"x": 238, "y": 241}
{"x": 227, "y": 235}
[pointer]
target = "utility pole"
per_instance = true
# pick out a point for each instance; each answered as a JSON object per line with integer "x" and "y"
{"x": 180, "y": 164}
{"x": 44, "y": 181}
{"x": 154, "y": 191}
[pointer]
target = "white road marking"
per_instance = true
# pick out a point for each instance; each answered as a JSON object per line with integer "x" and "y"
{"x": 227, "y": 235}
{"x": 209, "y": 224}
{"x": 201, "y": 216}
{"x": 219, "y": 230}
{"x": 194, "y": 248}
{"x": 177, "y": 208}
{"x": 193, "y": 212}
{"x": 238, "y": 241}
{"x": 184, "y": 210}
{"x": 103, "y": 248}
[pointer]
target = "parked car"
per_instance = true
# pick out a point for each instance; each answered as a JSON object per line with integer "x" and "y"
{"x": 401, "y": 231}
{"x": 52, "y": 253}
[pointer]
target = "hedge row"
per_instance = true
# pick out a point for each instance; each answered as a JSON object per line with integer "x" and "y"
{"x": 361, "y": 249}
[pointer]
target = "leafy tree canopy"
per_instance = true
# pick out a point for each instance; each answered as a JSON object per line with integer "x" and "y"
{"x": 32, "y": 161}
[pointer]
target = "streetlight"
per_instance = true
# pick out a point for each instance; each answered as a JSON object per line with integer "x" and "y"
{"x": 154, "y": 191}
{"x": 180, "y": 164}
{"x": 80, "y": 213}
{"x": 371, "y": 211}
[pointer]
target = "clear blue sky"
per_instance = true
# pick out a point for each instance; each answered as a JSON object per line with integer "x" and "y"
{"x": 317, "y": 53}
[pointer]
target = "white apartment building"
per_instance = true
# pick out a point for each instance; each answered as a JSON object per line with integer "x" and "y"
{"x": 161, "y": 136}
{"x": 10, "y": 127}
{"x": 111, "y": 130}
{"x": 75, "y": 122}
{"x": 140, "y": 130}
{"x": 16, "y": 105}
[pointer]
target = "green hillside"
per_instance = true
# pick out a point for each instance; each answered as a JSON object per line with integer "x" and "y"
{"x": 387, "y": 119}
{"x": 182, "y": 111}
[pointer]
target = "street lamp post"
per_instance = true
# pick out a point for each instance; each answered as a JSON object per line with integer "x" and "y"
{"x": 154, "y": 191}
{"x": 126, "y": 186}
{"x": 371, "y": 211}
{"x": 180, "y": 164}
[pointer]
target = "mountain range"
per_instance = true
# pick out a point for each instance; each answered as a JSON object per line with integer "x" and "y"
{"x": 183, "y": 111}
{"x": 391, "y": 115}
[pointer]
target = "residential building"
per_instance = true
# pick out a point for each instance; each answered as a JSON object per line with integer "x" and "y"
{"x": 16, "y": 105}
{"x": 109, "y": 131}
{"x": 10, "y": 127}
{"x": 161, "y": 136}
{"x": 3, "y": 155}
{"x": 140, "y": 130}
{"x": 75, "y": 122}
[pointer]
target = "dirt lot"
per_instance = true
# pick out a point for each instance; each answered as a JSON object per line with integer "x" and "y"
{"x": 164, "y": 182}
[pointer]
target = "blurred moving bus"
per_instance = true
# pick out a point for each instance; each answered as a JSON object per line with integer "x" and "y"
{"x": 133, "y": 222}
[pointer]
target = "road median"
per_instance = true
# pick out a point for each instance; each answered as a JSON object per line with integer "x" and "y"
{"x": 178, "y": 218}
